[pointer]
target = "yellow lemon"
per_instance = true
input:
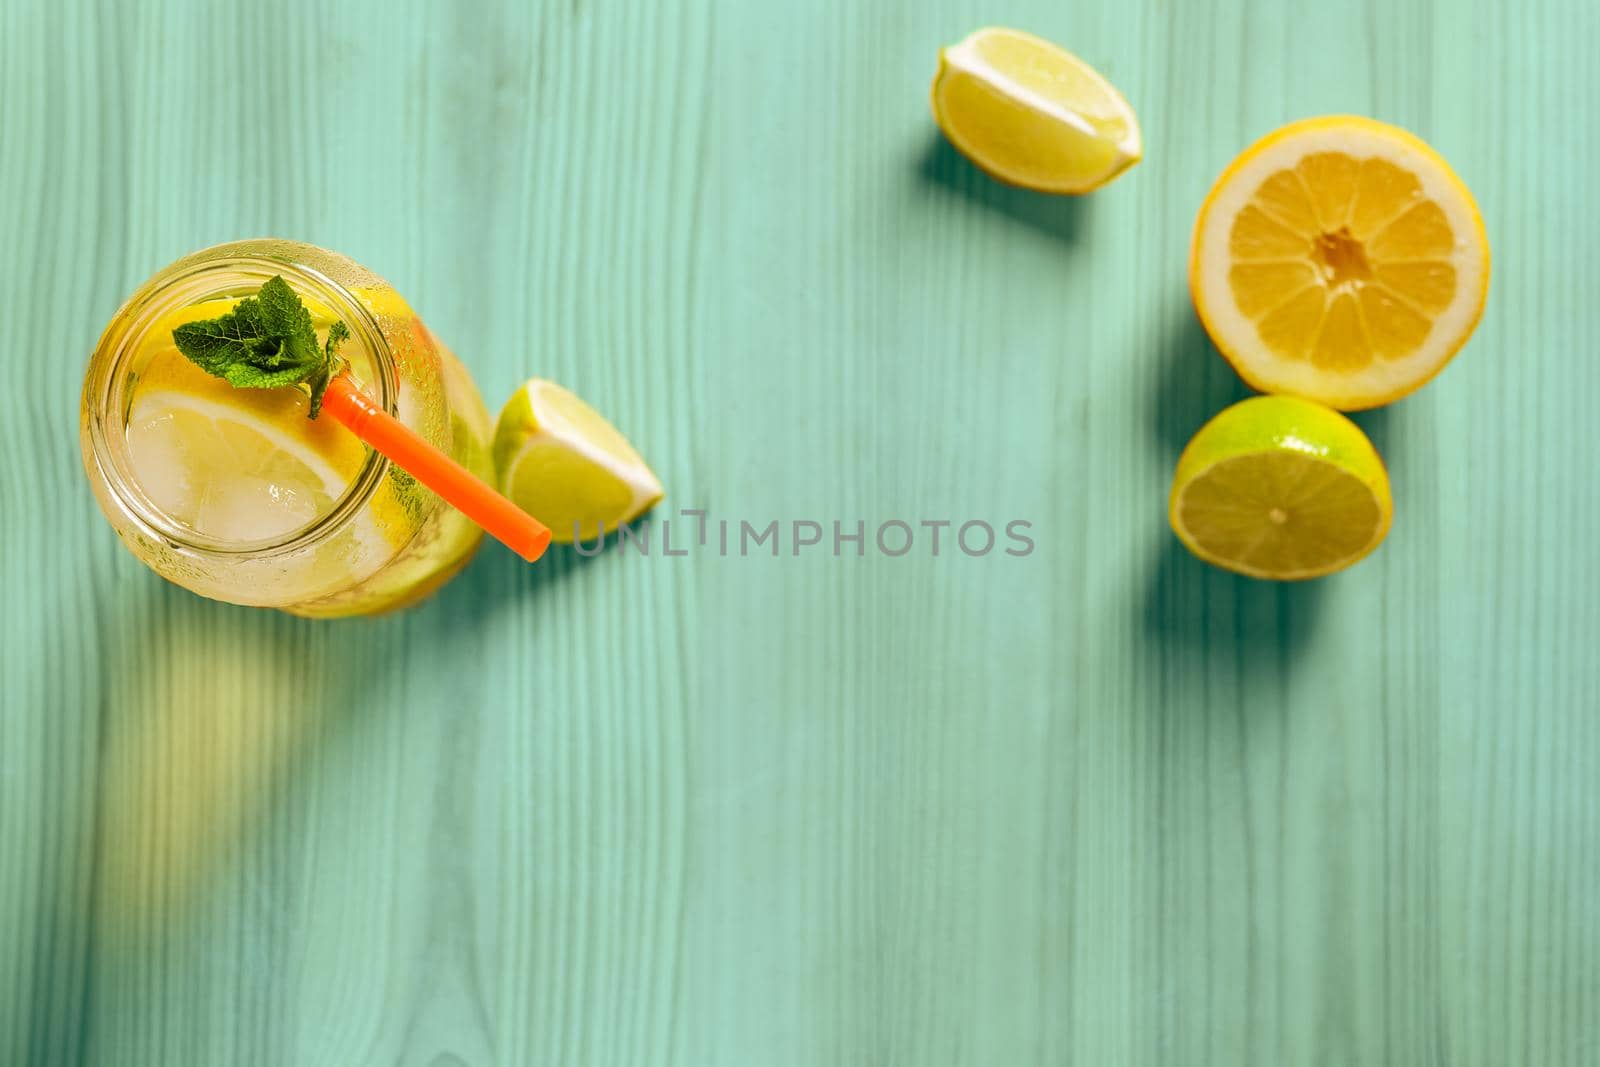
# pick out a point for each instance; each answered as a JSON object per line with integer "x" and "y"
{"x": 1033, "y": 114}
{"x": 565, "y": 465}
{"x": 1280, "y": 487}
{"x": 1339, "y": 259}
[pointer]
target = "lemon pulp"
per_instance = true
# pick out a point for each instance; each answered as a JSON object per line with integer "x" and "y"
{"x": 226, "y": 477}
{"x": 1339, "y": 259}
{"x": 1280, "y": 487}
{"x": 564, "y": 464}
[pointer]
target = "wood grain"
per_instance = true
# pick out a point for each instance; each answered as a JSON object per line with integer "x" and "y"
{"x": 1097, "y": 805}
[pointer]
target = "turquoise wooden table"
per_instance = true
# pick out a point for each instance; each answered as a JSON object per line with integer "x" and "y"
{"x": 1095, "y": 805}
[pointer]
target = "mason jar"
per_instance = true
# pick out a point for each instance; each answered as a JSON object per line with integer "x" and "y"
{"x": 380, "y": 541}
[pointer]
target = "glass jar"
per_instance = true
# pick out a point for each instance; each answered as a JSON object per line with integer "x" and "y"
{"x": 386, "y": 542}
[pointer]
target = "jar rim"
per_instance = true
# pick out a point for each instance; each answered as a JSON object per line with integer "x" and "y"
{"x": 183, "y": 283}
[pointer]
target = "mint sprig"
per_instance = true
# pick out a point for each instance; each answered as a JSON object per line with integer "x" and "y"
{"x": 267, "y": 341}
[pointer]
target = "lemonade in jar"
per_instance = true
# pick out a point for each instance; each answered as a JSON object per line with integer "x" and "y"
{"x": 235, "y": 493}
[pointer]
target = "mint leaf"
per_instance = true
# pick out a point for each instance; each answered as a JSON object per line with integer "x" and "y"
{"x": 267, "y": 341}
{"x": 338, "y": 334}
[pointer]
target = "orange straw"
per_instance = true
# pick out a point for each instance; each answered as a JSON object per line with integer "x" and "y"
{"x": 503, "y": 520}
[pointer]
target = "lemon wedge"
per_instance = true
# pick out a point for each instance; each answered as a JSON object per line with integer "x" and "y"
{"x": 1033, "y": 114}
{"x": 565, "y": 465}
{"x": 1280, "y": 487}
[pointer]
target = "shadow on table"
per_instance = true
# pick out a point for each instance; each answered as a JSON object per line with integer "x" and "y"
{"x": 1379, "y": 425}
{"x": 943, "y": 167}
{"x": 1194, "y": 382}
{"x": 214, "y": 716}
{"x": 1194, "y": 612}
{"x": 214, "y": 724}
{"x": 498, "y": 578}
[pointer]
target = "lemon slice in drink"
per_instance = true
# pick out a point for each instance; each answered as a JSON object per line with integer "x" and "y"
{"x": 565, "y": 465}
{"x": 1339, "y": 259}
{"x": 243, "y": 465}
{"x": 236, "y": 465}
{"x": 1279, "y": 487}
{"x": 1033, "y": 114}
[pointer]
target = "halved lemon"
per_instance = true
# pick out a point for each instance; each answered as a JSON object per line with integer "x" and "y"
{"x": 1280, "y": 487}
{"x": 1339, "y": 259}
{"x": 1033, "y": 114}
{"x": 565, "y": 465}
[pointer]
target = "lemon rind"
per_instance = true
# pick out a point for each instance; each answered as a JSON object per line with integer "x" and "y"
{"x": 1175, "y": 511}
{"x": 550, "y": 427}
{"x": 962, "y": 58}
